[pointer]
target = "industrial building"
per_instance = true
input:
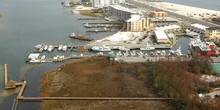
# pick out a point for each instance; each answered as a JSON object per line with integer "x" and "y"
{"x": 161, "y": 37}
{"x": 137, "y": 23}
{"x": 122, "y": 13}
{"x": 102, "y": 3}
{"x": 158, "y": 13}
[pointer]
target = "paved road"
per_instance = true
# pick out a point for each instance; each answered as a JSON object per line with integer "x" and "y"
{"x": 173, "y": 14}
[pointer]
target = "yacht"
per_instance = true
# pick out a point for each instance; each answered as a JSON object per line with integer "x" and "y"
{"x": 102, "y": 48}
{"x": 178, "y": 51}
{"x": 38, "y": 46}
{"x": 124, "y": 48}
{"x": 66, "y": 4}
{"x": 172, "y": 52}
{"x": 50, "y": 48}
{"x": 45, "y": 47}
{"x": 64, "y": 48}
{"x": 163, "y": 52}
{"x": 43, "y": 57}
{"x": 34, "y": 61}
{"x": 148, "y": 47}
{"x": 60, "y": 47}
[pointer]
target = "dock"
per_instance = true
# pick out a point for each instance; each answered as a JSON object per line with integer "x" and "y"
{"x": 10, "y": 84}
{"x": 6, "y": 75}
{"x": 54, "y": 46}
{"x": 106, "y": 30}
{"x": 101, "y": 23}
{"x": 90, "y": 18}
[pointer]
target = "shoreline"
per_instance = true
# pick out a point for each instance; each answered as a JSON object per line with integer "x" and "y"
{"x": 87, "y": 11}
{"x": 189, "y": 11}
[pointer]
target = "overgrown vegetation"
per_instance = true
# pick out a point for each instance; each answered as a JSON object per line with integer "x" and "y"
{"x": 180, "y": 80}
{"x": 99, "y": 77}
{"x": 91, "y": 13}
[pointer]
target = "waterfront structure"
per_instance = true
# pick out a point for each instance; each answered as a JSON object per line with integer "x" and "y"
{"x": 169, "y": 28}
{"x": 137, "y": 23}
{"x": 122, "y": 13}
{"x": 102, "y": 3}
{"x": 159, "y": 21}
{"x": 161, "y": 36}
{"x": 202, "y": 48}
{"x": 158, "y": 13}
{"x": 196, "y": 29}
{"x": 212, "y": 32}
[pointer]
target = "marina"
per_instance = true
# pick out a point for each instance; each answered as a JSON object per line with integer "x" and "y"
{"x": 50, "y": 47}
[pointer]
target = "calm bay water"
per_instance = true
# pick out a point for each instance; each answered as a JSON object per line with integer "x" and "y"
{"x": 25, "y": 24}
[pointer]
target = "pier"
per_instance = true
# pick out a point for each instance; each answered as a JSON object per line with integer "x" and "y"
{"x": 101, "y": 23}
{"x": 90, "y": 18}
{"x": 106, "y": 30}
{"x": 10, "y": 84}
{"x": 6, "y": 75}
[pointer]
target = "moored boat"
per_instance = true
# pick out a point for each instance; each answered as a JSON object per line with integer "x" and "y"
{"x": 102, "y": 48}
{"x": 148, "y": 47}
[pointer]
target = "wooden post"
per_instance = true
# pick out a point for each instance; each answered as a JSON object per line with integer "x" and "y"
{"x": 6, "y": 75}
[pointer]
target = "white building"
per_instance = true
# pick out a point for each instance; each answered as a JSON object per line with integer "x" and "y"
{"x": 121, "y": 12}
{"x": 101, "y": 3}
{"x": 161, "y": 36}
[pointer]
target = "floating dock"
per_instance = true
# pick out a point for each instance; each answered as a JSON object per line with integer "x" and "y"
{"x": 107, "y": 30}
{"x": 90, "y": 18}
{"x": 102, "y": 23}
{"x": 40, "y": 47}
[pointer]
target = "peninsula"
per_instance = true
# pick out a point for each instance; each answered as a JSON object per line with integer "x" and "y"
{"x": 97, "y": 77}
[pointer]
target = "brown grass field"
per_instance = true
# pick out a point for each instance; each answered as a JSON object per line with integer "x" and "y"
{"x": 98, "y": 77}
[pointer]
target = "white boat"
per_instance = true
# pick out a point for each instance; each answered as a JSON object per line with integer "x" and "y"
{"x": 72, "y": 35}
{"x": 66, "y": 4}
{"x": 39, "y": 46}
{"x": 60, "y": 47}
{"x": 64, "y": 48}
{"x": 34, "y": 61}
{"x": 102, "y": 48}
{"x": 148, "y": 47}
{"x": 45, "y": 47}
{"x": 172, "y": 52}
{"x": 43, "y": 57}
{"x": 124, "y": 48}
{"x": 50, "y": 48}
{"x": 163, "y": 52}
{"x": 178, "y": 51}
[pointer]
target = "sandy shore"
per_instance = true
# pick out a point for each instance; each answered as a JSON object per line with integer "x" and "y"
{"x": 198, "y": 13}
{"x": 78, "y": 8}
